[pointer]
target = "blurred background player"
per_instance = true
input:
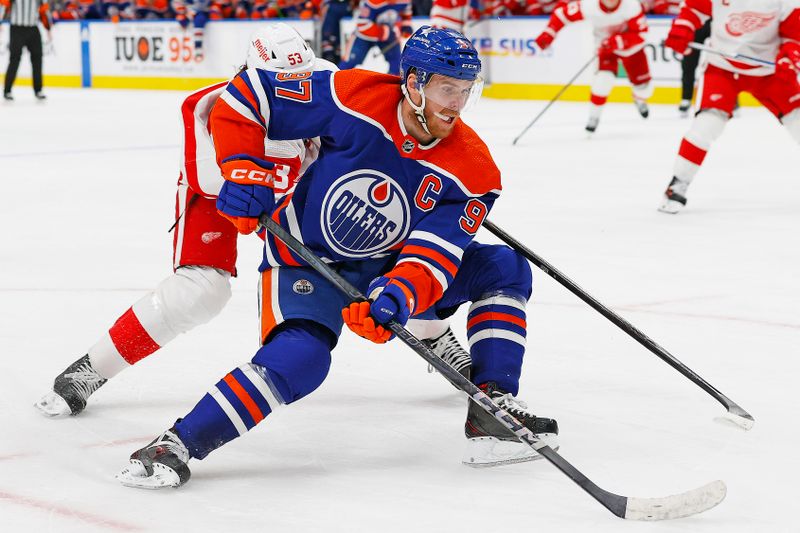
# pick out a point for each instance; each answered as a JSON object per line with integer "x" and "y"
{"x": 333, "y": 11}
{"x": 619, "y": 29}
{"x": 454, "y": 14}
{"x": 196, "y": 14}
{"x": 204, "y": 242}
{"x": 24, "y": 17}
{"x": 380, "y": 23}
{"x": 689, "y": 64}
{"x": 516, "y": 8}
{"x": 768, "y": 30}
{"x": 402, "y": 233}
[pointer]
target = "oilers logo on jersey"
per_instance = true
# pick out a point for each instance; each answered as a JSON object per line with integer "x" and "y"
{"x": 364, "y": 212}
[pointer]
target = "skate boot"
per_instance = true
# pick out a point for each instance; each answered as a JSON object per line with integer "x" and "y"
{"x": 160, "y": 464}
{"x": 447, "y": 347}
{"x": 642, "y": 108}
{"x": 591, "y": 125}
{"x": 489, "y": 443}
{"x": 71, "y": 389}
{"x": 674, "y": 197}
{"x": 684, "y": 107}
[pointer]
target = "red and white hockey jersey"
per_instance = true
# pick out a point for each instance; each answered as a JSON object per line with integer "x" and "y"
{"x": 755, "y": 28}
{"x": 625, "y": 25}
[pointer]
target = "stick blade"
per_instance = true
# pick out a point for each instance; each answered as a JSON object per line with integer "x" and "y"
{"x": 737, "y": 417}
{"x": 678, "y": 505}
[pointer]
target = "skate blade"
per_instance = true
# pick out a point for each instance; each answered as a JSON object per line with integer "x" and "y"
{"x": 52, "y": 405}
{"x": 670, "y": 206}
{"x": 135, "y": 475}
{"x": 488, "y": 452}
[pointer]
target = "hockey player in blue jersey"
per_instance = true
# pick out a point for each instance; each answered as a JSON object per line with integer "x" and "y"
{"x": 393, "y": 201}
{"x": 379, "y": 23}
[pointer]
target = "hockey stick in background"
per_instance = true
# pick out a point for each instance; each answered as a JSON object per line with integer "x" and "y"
{"x": 734, "y": 57}
{"x": 555, "y": 98}
{"x": 676, "y": 506}
{"x": 735, "y": 414}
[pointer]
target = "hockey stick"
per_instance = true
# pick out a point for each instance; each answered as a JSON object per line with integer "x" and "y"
{"x": 735, "y": 414}
{"x": 555, "y": 98}
{"x": 676, "y": 506}
{"x": 735, "y": 57}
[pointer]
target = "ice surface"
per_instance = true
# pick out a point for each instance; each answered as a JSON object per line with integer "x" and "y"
{"x": 88, "y": 182}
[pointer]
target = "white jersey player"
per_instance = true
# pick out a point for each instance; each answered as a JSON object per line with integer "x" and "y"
{"x": 767, "y": 32}
{"x": 619, "y": 27}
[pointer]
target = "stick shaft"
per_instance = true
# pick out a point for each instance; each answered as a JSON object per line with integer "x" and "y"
{"x": 735, "y": 57}
{"x": 613, "y": 502}
{"x": 617, "y": 320}
{"x": 555, "y": 98}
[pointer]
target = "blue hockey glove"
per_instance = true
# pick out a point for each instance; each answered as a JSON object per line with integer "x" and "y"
{"x": 243, "y": 204}
{"x": 390, "y": 300}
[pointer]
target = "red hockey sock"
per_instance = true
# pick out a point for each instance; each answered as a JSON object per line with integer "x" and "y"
{"x": 130, "y": 338}
{"x": 598, "y": 100}
{"x": 692, "y": 153}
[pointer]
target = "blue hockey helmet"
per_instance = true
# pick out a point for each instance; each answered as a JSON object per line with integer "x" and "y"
{"x": 439, "y": 51}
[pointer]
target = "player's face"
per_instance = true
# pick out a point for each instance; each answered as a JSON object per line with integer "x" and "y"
{"x": 610, "y": 4}
{"x": 445, "y": 98}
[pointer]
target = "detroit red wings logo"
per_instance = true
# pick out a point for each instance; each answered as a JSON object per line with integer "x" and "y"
{"x": 748, "y": 22}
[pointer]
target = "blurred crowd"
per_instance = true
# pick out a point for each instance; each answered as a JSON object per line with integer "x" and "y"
{"x": 116, "y": 10}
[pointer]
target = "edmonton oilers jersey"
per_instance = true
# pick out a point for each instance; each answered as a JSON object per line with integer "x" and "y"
{"x": 373, "y": 190}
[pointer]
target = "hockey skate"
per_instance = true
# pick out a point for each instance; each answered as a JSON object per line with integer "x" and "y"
{"x": 160, "y": 464}
{"x": 448, "y": 349}
{"x": 489, "y": 443}
{"x": 592, "y": 124}
{"x": 674, "y": 197}
{"x": 642, "y": 107}
{"x": 684, "y": 107}
{"x": 71, "y": 389}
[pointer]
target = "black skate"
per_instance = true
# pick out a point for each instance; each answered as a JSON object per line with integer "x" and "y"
{"x": 71, "y": 389}
{"x": 674, "y": 197}
{"x": 489, "y": 443}
{"x": 642, "y": 107}
{"x": 591, "y": 125}
{"x": 160, "y": 464}
{"x": 684, "y": 108}
{"x": 448, "y": 349}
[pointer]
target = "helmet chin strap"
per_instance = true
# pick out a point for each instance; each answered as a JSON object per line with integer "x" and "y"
{"x": 419, "y": 110}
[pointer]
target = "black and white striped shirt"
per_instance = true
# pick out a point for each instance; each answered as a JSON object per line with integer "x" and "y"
{"x": 24, "y": 12}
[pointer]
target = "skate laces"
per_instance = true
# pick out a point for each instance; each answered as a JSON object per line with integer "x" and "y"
{"x": 512, "y": 405}
{"x": 170, "y": 440}
{"x": 448, "y": 349}
{"x": 85, "y": 380}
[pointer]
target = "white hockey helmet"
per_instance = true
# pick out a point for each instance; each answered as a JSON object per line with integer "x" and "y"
{"x": 279, "y": 48}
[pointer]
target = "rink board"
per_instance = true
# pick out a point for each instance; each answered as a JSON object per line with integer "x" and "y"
{"x": 161, "y": 55}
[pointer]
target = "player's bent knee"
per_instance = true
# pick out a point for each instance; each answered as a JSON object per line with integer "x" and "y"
{"x": 602, "y": 83}
{"x": 792, "y": 123}
{"x": 707, "y": 127}
{"x": 505, "y": 271}
{"x": 297, "y": 358}
{"x": 193, "y": 296}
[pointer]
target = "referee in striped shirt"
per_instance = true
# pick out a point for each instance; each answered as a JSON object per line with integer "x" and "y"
{"x": 25, "y": 16}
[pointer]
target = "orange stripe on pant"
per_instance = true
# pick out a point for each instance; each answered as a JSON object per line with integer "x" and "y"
{"x": 268, "y": 321}
{"x": 245, "y": 398}
{"x": 491, "y": 315}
